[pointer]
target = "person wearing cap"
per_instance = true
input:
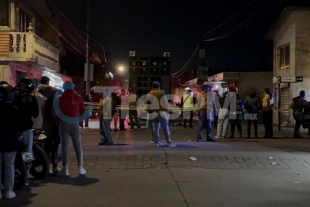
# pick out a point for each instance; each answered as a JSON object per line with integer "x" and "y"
{"x": 205, "y": 105}
{"x": 157, "y": 105}
{"x": 69, "y": 111}
{"x": 187, "y": 103}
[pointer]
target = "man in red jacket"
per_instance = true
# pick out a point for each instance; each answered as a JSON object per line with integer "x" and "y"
{"x": 69, "y": 111}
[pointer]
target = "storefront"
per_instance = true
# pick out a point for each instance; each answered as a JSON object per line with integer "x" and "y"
{"x": 56, "y": 80}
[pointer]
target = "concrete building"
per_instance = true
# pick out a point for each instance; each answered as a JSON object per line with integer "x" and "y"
{"x": 22, "y": 51}
{"x": 291, "y": 37}
{"x": 145, "y": 70}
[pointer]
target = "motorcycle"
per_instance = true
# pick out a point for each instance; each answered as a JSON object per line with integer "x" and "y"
{"x": 39, "y": 167}
{"x": 305, "y": 118}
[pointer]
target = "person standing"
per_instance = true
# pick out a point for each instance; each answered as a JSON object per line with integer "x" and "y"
{"x": 215, "y": 122}
{"x": 157, "y": 105}
{"x": 133, "y": 114}
{"x": 116, "y": 114}
{"x": 188, "y": 102}
{"x": 87, "y": 100}
{"x": 123, "y": 112}
{"x": 108, "y": 108}
{"x": 267, "y": 113}
{"x": 10, "y": 128}
{"x": 69, "y": 111}
{"x": 298, "y": 105}
{"x": 237, "y": 116}
{"x": 252, "y": 106}
{"x": 51, "y": 129}
{"x": 27, "y": 103}
{"x": 223, "y": 119}
{"x": 206, "y": 108}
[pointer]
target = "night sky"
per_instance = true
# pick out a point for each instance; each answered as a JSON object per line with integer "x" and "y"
{"x": 151, "y": 27}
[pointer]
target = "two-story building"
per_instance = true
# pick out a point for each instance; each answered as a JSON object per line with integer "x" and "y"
{"x": 23, "y": 52}
{"x": 291, "y": 39}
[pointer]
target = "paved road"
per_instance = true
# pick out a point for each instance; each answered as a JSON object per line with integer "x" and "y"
{"x": 236, "y": 172}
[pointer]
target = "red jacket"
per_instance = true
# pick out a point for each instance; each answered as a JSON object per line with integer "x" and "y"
{"x": 71, "y": 104}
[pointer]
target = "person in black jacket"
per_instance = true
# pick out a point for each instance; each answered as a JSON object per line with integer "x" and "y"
{"x": 10, "y": 128}
{"x": 51, "y": 129}
{"x": 27, "y": 103}
{"x": 252, "y": 106}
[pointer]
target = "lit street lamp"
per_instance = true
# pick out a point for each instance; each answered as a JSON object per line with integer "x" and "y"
{"x": 121, "y": 68}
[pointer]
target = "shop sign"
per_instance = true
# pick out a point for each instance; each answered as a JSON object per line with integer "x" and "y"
{"x": 231, "y": 75}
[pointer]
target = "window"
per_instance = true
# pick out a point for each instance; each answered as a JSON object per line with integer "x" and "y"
{"x": 4, "y": 13}
{"x": 24, "y": 21}
{"x": 284, "y": 56}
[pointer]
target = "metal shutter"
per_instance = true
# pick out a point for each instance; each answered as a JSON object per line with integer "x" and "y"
{"x": 285, "y": 105}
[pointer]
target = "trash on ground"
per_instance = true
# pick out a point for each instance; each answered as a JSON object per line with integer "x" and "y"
{"x": 270, "y": 158}
{"x": 273, "y": 163}
{"x": 193, "y": 158}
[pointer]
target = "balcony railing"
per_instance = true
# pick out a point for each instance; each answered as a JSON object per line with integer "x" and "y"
{"x": 28, "y": 47}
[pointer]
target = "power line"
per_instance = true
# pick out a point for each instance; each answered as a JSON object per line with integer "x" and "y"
{"x": 235, "y": 30}
{"x": 230, "y": 18}
{"x": 182, "y": 69}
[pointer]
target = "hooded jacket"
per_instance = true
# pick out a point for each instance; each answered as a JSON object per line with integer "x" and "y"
{"x": 71, "y": 105}
{"x": 28, "y": 106}
{"x": 252, "y": 104}
{"x": 10, "y": 127}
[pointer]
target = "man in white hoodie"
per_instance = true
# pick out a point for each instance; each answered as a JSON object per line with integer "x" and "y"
{"x": 41, "y": 96}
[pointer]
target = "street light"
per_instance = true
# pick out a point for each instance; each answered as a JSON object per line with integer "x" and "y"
{"x": 121, "y": 68}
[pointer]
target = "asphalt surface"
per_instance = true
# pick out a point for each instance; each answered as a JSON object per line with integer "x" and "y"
{"x": 232, "y": 172}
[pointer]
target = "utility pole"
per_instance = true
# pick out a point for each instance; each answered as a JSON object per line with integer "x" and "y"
{"x": 202, "y": 74}
{"x": 87, "y": 50}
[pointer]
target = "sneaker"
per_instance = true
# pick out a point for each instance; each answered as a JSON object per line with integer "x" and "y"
{"x": 217, "y": 137}
{"x": 64, "y": 171}
{"x": 152, "y": 143}
{"x": 171, "y": 144}
{"x": 82, "y": 171}
{"x": 56, "y": 169}
{"x": 9, "y": 195}
{"x": 199, "y": 140}
{"x": 157, "y": 144}
{"x": 27, "y": 182}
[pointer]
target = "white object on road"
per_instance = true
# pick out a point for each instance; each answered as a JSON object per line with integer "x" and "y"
{"x": 193, "y": 158}
{"x": 270, "y": 158}
{"x": 273, "y": 163}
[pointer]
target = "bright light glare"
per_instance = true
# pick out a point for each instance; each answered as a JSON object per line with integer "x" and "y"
{"x": 121, "y": 68}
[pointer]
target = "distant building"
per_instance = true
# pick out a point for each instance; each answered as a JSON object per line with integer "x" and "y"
{"x": 143, "y": 71}
{"x": 291, "y": 38}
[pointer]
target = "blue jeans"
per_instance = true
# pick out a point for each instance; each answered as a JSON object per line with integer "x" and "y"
{"x": 161, "y": 119}
{"x": 106, "y": 132}
{"x": 204, "y": 122}
{"x": 9, "y": 174}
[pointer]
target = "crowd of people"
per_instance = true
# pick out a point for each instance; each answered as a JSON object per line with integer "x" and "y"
{"x": 27, "y": 107}
{"x": 248, "y": 109}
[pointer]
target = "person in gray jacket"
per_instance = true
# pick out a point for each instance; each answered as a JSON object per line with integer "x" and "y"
{"x": 252, "y": 106}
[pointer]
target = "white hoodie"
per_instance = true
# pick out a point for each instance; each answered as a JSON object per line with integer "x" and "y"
{"x": 37, "y": 122}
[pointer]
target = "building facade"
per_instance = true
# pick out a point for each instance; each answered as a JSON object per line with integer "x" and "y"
{"x": 291, "y": 39}
{"x": 143, "y": 71}
{"x": 22, "y": 51}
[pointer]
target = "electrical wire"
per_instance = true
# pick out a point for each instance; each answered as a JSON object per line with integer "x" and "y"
{"x": 230, "y": 18}
{"x": 235, "y": 30}
{"x": 182, "y": 69}
{"x": 59, "y": 33}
